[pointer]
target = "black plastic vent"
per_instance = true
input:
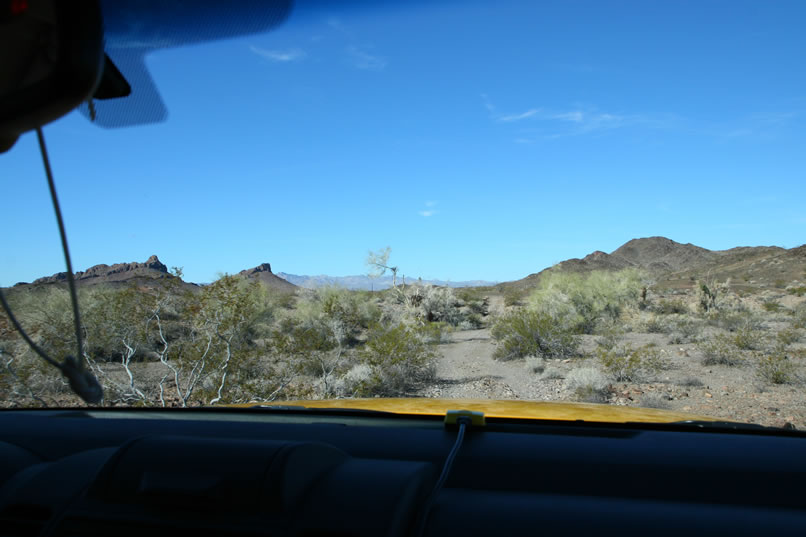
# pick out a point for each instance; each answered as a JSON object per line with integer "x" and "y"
{"x": 23, "y": 520}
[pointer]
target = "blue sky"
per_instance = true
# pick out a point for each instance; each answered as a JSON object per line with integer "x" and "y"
{"x": 478, "y": 140}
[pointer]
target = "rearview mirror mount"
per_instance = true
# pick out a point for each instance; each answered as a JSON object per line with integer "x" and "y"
{"x": 52, "y": 61}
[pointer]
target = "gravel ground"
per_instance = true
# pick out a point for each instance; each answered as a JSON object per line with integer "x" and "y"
{"x": 467, "y": 369}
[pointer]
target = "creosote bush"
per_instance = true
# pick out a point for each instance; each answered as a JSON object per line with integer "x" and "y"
{"x": 531, "y": 333}
{"x": 628, "y": 364}
{"x": 399, "y": 359}
{"x": 776, "y": 368}
{"x": 720, "y": 350}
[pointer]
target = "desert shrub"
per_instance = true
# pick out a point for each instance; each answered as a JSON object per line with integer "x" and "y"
{"x": 798, "y": 291}
{"x": 586, "y": 300}
{"x": 684, "y": 330}
{"x": 531, "y": 333}
{"x": 675, "y": 306}
{"x": 654, "y": 400}
{"x": 799, "y": 317}
{"x": 435, "y": 333}
{"x": 771, "y": 306}
{"x": 355, "y": 310}
{"x": 628, "y": 364}
{"x": 551, "y": 373}
{"x": 400, "y": 362}
{"x": 690, "y": 382}
{"x": 746, "y": 338}
{"x": 720, "y": 350}
{"x": 423, "y": 304}
{"x": 354, "y": 381}
{"x": 295, "y": 337}
{"x": 656, "y": 325}
{"x": 535, "y": 364}
{"x": 474, "y": 300}
{"x": 472, "y": 321}
{"x": 732, "y": 321}
{"x": 788, "y": 336}
{"x": 588, "y": 384}
{"x": 513, "y": 296}
{"x": 538, "y": 366}
{"x": 776, "y": 368}
{"x": 610, "y": 337}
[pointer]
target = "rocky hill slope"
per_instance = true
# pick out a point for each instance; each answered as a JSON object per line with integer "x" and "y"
{"x": 673, "y": 264}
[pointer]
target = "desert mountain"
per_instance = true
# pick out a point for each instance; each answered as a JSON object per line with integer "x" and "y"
{"x": 150, "y": 271}
{"x": 264, "y": 275}
{"x": 153, "y": 268}
{"x": 673, "y": 264}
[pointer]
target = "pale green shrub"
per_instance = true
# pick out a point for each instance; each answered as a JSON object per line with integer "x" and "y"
{"x": 588, "y": 384}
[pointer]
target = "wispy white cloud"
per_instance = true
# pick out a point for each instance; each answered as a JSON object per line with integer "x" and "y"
{"x": 362, "y": 59}
{"x": 517, "y": 117}
{"x": 430, "y": 210}
{"x": 288, "y": 55}
{"x": 553, "y": 123}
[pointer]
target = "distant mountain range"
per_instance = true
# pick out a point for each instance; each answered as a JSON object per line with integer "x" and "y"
{"x": 671, "y": 264}
{"x": 366, "y": 283}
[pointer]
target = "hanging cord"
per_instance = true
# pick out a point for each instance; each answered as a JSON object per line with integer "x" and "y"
{"x": 82, "y": 381}
{"x": 463, "y": 423}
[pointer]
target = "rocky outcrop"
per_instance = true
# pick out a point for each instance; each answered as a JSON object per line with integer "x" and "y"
{"x": 152, "y": 268}
{"x": 263, "y": 267}
{"x": 264, "y": 275}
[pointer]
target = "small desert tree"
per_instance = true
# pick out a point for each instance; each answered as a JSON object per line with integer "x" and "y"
{"x": 228, "y": 306}
{"x": 378, "y": 263}
{"x": 115, "y": 329}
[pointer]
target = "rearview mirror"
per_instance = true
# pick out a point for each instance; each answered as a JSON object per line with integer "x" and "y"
{"x": 52, "y": 61}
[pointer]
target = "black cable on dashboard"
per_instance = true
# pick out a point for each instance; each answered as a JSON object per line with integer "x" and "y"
{"x": 443, "y": 476}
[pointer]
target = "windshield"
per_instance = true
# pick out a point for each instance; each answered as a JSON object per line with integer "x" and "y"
{"x": 579, "y": 201}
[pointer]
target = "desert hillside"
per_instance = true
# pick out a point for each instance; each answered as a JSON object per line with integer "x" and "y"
{"x": 675, "y": 265}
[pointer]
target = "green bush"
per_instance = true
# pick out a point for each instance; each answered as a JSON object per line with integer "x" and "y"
{"x": 776, "y": 369}
{"x": 720, "y": 351}
{"x": 630, "y": 365}
{"x": 400, "y": 362}
{"x": 531, "y": 333}
{"x": 798, "y": 291}
{"x": 585, "y": 301}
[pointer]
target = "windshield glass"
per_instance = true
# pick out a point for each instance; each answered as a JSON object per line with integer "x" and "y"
{"x": 578, "y": 201}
